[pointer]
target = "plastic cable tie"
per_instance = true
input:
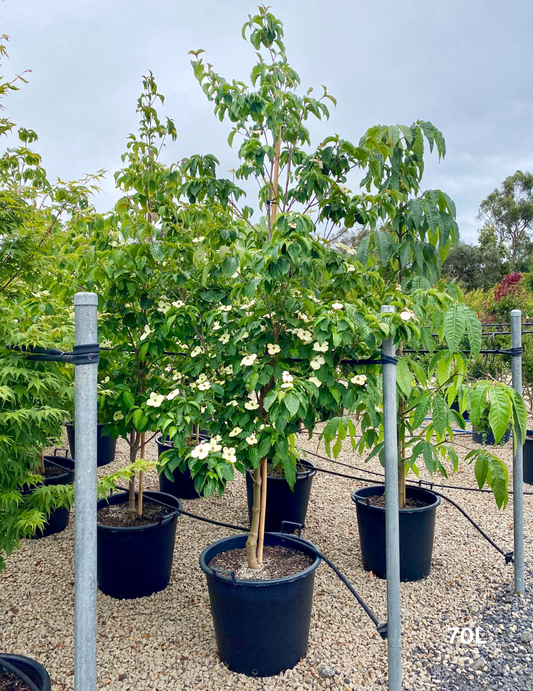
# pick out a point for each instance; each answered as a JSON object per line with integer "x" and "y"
{"x": 382, "y": 630}
{"x": 509, "y": 557}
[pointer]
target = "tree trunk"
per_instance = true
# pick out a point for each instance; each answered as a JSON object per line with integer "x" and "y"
{"x": 131, "y": 484}
{"x": 401, "y": 485}
{"x": 262, "y": 514}
{"x": 251, "y": 542}
{"x": 141, "y": 479}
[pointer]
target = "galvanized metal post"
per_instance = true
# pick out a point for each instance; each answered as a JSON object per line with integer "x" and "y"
{"x": 518, "y": 461}
{"x": 392, "y": 517}
{"x": 85, "y": 305}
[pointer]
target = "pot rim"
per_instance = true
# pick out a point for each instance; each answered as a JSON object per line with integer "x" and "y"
{"x": 415, "y": 509}
{"x": 56, "y": 461}
{"x": 137, "y": 528}
{"x": 30, "y": 662}
{"x": 265, "y": 582}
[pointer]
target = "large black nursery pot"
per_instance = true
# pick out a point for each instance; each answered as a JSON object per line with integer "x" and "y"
{"x": 487, "y": 438}
{"x": 528, "y": 458}
{"x": 136, "y": 561}
{"x": 105, "y": 446}
{"x": 58, "y": 518}
{"x": 27, "y": 670}
{"x": 182, "y": 484}
{"x": 261, "y": 627}
{"x": 283, "y": 503}
{"x": 417, "y": 529}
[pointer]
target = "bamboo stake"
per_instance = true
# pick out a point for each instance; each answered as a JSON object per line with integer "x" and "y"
{"x": 262, "y": 514}
{"x": 251, "y": 542}
{"x": 141, "y": 478}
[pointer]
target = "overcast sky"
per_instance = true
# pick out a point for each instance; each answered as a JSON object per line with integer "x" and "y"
{"x": 465, "y": 65}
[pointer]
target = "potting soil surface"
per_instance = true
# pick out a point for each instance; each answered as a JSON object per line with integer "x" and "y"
{"x": 301, "y": 470}
{"x": 52, "y": 471}
{"x": 379, "y": 500}
{"x": 278, "y": 562}
{"x": 10, "y": 682}
{"x": 116, "y": 515}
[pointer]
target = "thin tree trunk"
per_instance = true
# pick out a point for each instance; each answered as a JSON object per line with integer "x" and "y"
{"x": 251, "y": 542}
{"x": 43, "y": 469}
{"x": 131, "y": 484}
{"x": 275, "y": 182}
{"x": 401, "y": 455}
{"x": 262, "y": 514}
{"x": 141, "y": 479}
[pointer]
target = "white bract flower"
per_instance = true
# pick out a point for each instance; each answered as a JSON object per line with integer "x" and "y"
{"x": 249, "y": 360}
{"x": 337, "y": 306}
{"x": 287, "y": 377}
{"x": 155, "y": 399}
{"x": 344, "y": 189}
{"x": 177, "y": 376}
{"x": 235, "y": 431}
{"x": 251, "y": 405}
{"x": 273, "y": 348}
{"x": 224, "y": 338}
{"x": 350, "y": 267}
{"x": 214, "y": 446}
{"x": 216, "y": 326}
{"x": 228, "y": 454}
{"x": 225, "y": 308}
{"x": 233, "y": 403}
{"x": 303, "y": 316}
{"x": 216, "y": 438}
{"x": 200, "y": 239}
{"x": 315, "y": 381}
{"x": 196, "y": 351}
{"x": 204, "y": 386}
{"x": 201, "y": 451}
{"x": 359, "y": 379}
{"x": 163, "y": 306}
{"x": 177, "y": 304}
{"x": 292, "y": 225}
{"x": 147, "y": 331}
{"x": 228, "y": 369}
{"x": 304, "y": 335}
{"x": 321, "y": 348}
{"x": 118, "y": 416}
{"x": 398, "y": 287}
{"x": 251, "y": 440}
{"x": 407, "y": 314}
{"x": 202, "y": 377}
{"x": 317, "y": 362}
{"x": 103, "y": 382}
{"x": 172, "y": 395}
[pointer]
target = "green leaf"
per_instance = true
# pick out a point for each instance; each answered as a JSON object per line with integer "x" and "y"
{"x": 478, "y": 402}
{"x": 440, "y": 417}
{"x": 382, "y": 242}
{"x": 292, "y": 403}
{"x": 230, "y": 265}
{"x": 454, "y": 326}
{"x": 422, "y": 406}
{"x": 289, "y": 468}
{"x": 500, "y": 412}
{"x": 404, "y": 377}
{"x": 498, "y": 480}
{"x": 473, "y": 328}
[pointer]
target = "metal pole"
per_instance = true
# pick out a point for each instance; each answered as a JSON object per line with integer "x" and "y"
{"x": 392, "y": 516}
{"x": 518, "y": 464}
{"x": 85, "y": 305}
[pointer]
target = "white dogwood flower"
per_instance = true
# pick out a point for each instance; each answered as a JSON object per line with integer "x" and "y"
{"x": 172, "y": 395}
{"x": 251, "y": 440}
{"x": 315, "y": 381}
{"x": 317, "y": 362}
{"x": 196, "y": 351}
{"x": 337, "y": 306}
{"x": 155, "y": 399}
{"x": 249, "y": 360}
{"x": 204, "y": 386}
{"x": 273, "y": 348}
{"x": 147, "y": 331}
{"x": 318, "y": 348}
{"x": 201, "y": 451}
{"x": 359, "y": 379}
{"x": 251, "y": 405}
{"x": 235, "y": 431}
{"x": 228, "y": 454}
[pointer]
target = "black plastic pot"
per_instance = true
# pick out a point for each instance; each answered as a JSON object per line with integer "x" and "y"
{"x": 261, "y": 627}
{"x": 284, "y": 504}
{"x": 528, "y": 459}
{"x": 417, "y": 529}
{"x": 136, "y": 561}
{"x": 105, "y": 446}
{"x": 58, "y": 518}
{"x": 26, "y": 667}
{"x": 182, "y": 485}
{"x": 487, "y": 438}
{"x": 455, "y": 406}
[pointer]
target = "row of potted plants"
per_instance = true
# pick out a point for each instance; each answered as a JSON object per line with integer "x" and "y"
{"x": 252, "y": 331}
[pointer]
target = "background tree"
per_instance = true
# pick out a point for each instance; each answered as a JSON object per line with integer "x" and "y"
{"x": 510, "y": 211}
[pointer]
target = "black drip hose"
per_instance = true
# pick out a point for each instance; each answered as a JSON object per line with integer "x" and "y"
{"x": 381, "y": 628}
{"x": 18, "y": 673}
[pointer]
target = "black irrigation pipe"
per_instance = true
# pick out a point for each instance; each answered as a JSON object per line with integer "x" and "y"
{"x": 381, "y": 628}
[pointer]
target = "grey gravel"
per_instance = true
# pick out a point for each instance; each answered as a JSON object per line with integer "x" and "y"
{"x": 326, "y": 672}
{"x": 166, "y": 641}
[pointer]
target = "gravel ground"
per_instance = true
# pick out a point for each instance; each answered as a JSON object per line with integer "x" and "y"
{"x": 166, "y": 641}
